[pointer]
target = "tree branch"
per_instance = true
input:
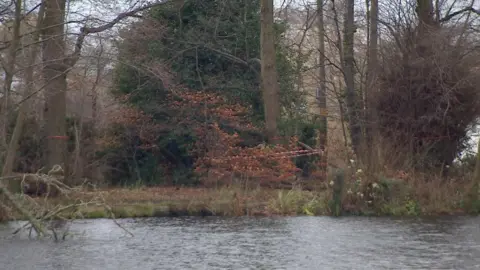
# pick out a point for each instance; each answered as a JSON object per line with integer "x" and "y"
{"x": 458, "y": 12}
{"x": 84, "y": 31}
{"x": 249, "y": 63}
{"x": 393, "y": 32}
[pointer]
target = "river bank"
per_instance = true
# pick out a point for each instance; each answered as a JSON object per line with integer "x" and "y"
{"x": 172, "y": 201}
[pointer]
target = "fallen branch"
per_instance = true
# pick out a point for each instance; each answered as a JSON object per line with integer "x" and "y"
{"x": 37, "y": 225}
{"x": 48, "y": 214}
{"x": 112, "y": 215}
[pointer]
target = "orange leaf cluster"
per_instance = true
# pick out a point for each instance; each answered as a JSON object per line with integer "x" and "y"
{"x": 217, "y": 152}
{"x": 212, "y": 104}
{"x": 130, "y": 117}
{"x": 106, "y": 141}
{"x": 263, "y": 163}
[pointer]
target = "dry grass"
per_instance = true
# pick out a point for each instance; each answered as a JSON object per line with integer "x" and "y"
{"x": 440, "y": 196}
{"x": 171, "y": 201}
{"x": 400, "y": 192}
{"x": 4, "y": 212}
{"x": 412, "y": 194}
{"x": 409, "y": 196}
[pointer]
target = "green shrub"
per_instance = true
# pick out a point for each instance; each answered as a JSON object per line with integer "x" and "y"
{"x": 209, "y": 66}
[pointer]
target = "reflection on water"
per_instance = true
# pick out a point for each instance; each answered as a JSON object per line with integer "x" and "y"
{"x": 252, "y": 243}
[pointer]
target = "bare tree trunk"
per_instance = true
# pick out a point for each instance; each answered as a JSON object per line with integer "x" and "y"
{"x": 9, "y": 73}
{"x": 322, "y": 95}
{"x": 426, "y": 13}
{"x": 372, "y": 61}
{"x": 349, "y": 73}
{"x": 78, "y": 164}
{"x": 55, "y": 75}
{"x": 477, "y": 166}
{"x": 9, "y": 197}
{"x": 80, "y": 149}
{"x": 100, "y": 67}
{"x": 270, "y": 85}
{"x": 426, "y": 26}
{"x": 22, "y": 111}
{"x": 56, "y": 66}
{"x": 473, "y": 193}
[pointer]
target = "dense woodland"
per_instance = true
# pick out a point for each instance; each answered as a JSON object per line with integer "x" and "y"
{"x": 209, "y": 92}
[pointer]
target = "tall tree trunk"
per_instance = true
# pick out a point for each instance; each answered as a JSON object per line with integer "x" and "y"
{"x": 427, "y": 24}
{"x": 426, "y": 14}
{"x": 55, "y": 75}
{"x": 476, "y": 175}
{"x": 349, "y": 73}
{"x": 9, "y": 73}
{"x": 56, "y": 66}
{"x": 270, "y": 85}
{"x": 29, "y": 84}
{"x": 372, "y": 63}
{"x": 473, "y": 194}
{"x": 322, "y": 91}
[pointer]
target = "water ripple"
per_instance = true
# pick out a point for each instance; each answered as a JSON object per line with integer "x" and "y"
{"x": 253, "y": 243}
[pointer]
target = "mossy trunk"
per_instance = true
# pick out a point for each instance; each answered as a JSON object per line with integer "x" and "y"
{"x": 352, "y": 101}
{"x": 9, "y": 198}
{"x": 270, "y": 85}
{"x": 372, "y": 60}
{"x": 25, "y": 105}
{"x": 472, "y": 203}
{"x": 9, "y": 70}
{"x": 322, "y": 95}
{"x": 55, "y": 71}
{"x": 338, "y": 184}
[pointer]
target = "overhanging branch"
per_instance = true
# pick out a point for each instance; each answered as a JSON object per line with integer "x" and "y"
{"x": 84, "y": 31}
{"x": 458, "y": 12}
{"x": 249, "y": 63}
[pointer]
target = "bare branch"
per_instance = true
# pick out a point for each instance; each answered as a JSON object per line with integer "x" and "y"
{"x": 84, "y": 31}
{"x": 461, "y": 11}
{"x": 392, "y": 32}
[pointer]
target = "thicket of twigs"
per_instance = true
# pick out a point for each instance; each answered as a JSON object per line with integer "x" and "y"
{"x": 428, "y": 99}
{"x": 40, "y": 203}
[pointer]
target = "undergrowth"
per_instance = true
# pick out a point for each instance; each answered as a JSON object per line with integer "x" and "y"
{"x": 406, "y": 195}
{"x": 380, "y": 196}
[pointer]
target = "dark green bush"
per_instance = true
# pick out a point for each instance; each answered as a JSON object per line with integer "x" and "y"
{"x": 209, "y": 45}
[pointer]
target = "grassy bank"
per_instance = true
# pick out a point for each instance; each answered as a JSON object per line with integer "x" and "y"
{"x": 171, "y": 201}
{"x": 386, "y": 197}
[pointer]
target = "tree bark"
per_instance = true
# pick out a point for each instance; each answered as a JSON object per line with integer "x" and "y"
{"x": 426, "y": 13}
{"x": 322, "y": 95}
{"x": 56, "y": 66}
{"x": 476, "y": 174}
{"x": 473, "y": 193}
{"x": 270, "y": 85}
{"x": 426, "y": 26}
{"x": 349, "y": 74}
{"x": 37, "y": 225}
{"x": 22, "y": 111}
{"x": 372, "y": 63}
{"x": 55, "y": 75}
{"x": 9, "y": 69}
